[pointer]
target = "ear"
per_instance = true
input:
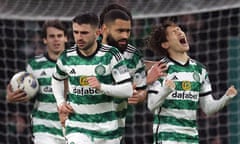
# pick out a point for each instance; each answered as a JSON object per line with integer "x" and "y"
{"x": 165, "y": 45}
{"x": 44, "y": 41}
{"x": 65, "y": 38}
{"x": 103, "y": 28}
{"x": 98, "y": 31}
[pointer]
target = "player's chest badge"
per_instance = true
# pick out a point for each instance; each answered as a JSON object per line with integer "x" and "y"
{"x": 196, "y": 76}
{"x": 100, "y": 70}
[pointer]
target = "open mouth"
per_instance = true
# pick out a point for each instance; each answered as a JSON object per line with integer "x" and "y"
{"x": 183, "y": 41}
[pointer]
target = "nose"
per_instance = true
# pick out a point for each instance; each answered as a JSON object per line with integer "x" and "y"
{"x": 79, "y": 36}
{"x": 125, "y": 35}
{"x": 57, "y": 38}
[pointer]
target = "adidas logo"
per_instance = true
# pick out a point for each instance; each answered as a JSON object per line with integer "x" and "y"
{"x": 174, "y": 78}
{"x": 43, "y": 73}
{"x": 72, "y": 71}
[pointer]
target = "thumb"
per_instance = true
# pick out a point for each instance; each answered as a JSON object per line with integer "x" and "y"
{"x": 134, "y": 86}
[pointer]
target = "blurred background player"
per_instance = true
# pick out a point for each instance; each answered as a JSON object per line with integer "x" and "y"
{"x": 46, "y": 124}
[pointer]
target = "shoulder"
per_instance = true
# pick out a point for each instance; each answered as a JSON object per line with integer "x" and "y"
{"x": 136, "y": 51}
{"x": 197, "y": 63}
{"x": 68, "y": 52}
{"x": 38, "y": 58}
{"x": 111, "y": 50}
{"x": 70, "y": 49}
{"x": 166, "y": 60}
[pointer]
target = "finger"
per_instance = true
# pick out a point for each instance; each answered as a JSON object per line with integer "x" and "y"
{"x": 161, "y": 63}
{"x": 18, "y": 92}
{"x": 135, "y": 92}
{"x": 18, "y": 100}
{"x": 91, "y": 78}
{"x": 9, "y": 88}
{"x": 23, "y": 99}
{"x": 133, "y": 96}
{"x": 132, "y": 102}
{"x": 162, "y": 67}
{"x": 21, "y": 94}
{"x": 134, "y": 86}
{"x": 164, "y": 74}
{"x": 69, "y": 108}
{"x": 133, "y": 99}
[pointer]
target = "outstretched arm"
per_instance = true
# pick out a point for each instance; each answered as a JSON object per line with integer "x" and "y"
{"x": 210, "y": 105}
{"x": 123, "y": 90}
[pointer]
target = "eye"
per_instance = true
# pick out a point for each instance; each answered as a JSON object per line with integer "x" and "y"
{"x": 84, "y": 33}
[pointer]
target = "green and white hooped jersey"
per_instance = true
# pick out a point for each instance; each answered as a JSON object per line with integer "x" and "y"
{"x": 95, "y": 113}
{"x": 136, "y": 66}
{"x": 175, "y": 119}
{"x": 45, "y": 115}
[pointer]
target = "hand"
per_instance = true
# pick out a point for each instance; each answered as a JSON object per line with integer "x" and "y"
{"x": 149, "y": 64}
{"x": 231, "y": 91}
{"x": 170, "y": 84}
{"x": 137, "y": 97}
{"x": 93, "y": 82}
{"x": 63, "y": 117}
{"x": 157, "y": 71}
{"x": 64, "y": 110}
{"x": 16, "y": 96}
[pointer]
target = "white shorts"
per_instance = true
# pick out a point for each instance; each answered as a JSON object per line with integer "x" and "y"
{"x": 47, "y": 139}
{"x": 79, "y": 138}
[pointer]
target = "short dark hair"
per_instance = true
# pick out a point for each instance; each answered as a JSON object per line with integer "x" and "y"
{"x": 158, "y": 36}
{"x": 53, "y": 23}
{"x": 114, "y": 14}
{"x": 112, "y": 7}
{"x": 87, "y": 18}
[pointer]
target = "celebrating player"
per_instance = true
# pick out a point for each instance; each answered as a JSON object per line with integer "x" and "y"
{"x": 175, "y": 98}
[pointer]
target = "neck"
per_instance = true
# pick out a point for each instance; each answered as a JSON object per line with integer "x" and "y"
{"x": 53, "y": 56}
{"x": 104, "y": 39}
{"x": 180, "y": 57}
{"x": 90, "y": 50}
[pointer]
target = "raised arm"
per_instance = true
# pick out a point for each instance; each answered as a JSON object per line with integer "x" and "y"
{"x": 210, "y": 105}
{"x": 158, "y": 93}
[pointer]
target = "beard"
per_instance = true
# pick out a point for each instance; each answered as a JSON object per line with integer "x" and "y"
{"x": 112, "y": 42}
